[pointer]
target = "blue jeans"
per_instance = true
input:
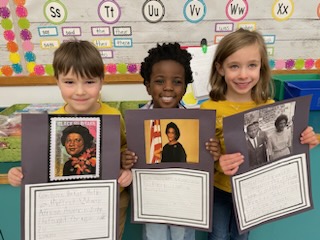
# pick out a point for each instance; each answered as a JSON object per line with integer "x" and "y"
{"x": 153, "y": 231}
{"x": 224, "y": 226}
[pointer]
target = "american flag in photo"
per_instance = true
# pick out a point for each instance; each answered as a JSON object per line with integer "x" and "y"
{"x": 155, "y": 141}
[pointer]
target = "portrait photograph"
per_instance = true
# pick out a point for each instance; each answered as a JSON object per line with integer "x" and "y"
{"x": 269, "y": 132}
{"x": 171, "y": 140}
{"x": 74, "y": 148}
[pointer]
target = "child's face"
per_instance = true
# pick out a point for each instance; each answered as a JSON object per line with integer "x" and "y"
{"x": 167, "y": 84}
{"x": 241, "y": 71}
{"x": 80, "y": 94}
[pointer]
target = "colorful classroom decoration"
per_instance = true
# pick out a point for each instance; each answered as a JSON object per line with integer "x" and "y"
{"x": 236, "y": 10}
{"x": 123, "y": 31}
{"x": 282, "y": 10}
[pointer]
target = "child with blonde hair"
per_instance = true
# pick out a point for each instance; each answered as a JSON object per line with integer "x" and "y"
{"x": 240, "y": 80}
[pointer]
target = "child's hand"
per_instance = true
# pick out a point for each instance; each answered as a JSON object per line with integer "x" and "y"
{"x": 128, "y": 158}
{"x": 309, "y": 137}
{"x": 15, "y": 176}
{"x": 230, "y": 163}
{"x": 125, "y": 178}
{"x": 213, "y": 146}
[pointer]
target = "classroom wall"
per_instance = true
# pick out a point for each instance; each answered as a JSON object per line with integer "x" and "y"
{"x": 51, "y": 94}
{"x": 290, "y": 28}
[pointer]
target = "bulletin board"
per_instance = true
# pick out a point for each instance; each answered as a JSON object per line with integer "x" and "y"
{"x": 124, "y": 31}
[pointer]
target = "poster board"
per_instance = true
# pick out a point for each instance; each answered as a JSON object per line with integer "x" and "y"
{"x": 274, "y": 180}
{"x": 74, "y": 169}
{"x": 182, "y": 166}
{"x": 124, "y": 32}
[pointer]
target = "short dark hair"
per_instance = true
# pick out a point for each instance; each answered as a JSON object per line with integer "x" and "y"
{"x": 81, "y": 130}
{"x": 280, "y": 118}
{"x": 253, "y": 123}
{"x": 166, "y": 51}
{"x": 176, "y": 129}
{"x": 82, "y": 57}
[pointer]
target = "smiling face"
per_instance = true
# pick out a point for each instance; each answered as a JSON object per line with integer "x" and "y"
{"x": 241, "y": 71}
{"x": 281, "y": 125}
{"x": 167, "y": 84}
{"x": 74, "y": 144}
{"x": 80, "y": 94}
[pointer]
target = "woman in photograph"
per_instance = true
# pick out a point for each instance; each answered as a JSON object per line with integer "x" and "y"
{"x": 78, "y": 143}
{"x": 173, "y": 151}
{"x": 280, "y": 140}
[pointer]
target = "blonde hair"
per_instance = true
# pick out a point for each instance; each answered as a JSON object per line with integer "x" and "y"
{"x": 229, "y": 45}
{"x": 82, "y": 57}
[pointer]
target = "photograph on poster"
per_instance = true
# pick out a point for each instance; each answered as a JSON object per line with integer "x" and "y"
{"x": 273, "y": 182}
{"x": 74, "y": 148}
{"x": 172, "y": 140}
{"x": 269, "y": 133}
{"x": 177, "y": 190}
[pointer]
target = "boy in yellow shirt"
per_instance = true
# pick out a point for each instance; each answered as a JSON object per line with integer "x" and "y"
{"x": 79, "y": 70}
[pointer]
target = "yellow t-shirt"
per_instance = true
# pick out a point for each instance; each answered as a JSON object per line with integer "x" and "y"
{"x": 106, "y": 109}
{"x": 224, "y": 109}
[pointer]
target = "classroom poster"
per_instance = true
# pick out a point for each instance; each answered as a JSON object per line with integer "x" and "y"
{"x": 172, "y": 180}
{"x": 70, "y": 181}
{"x": 274, "y": 180}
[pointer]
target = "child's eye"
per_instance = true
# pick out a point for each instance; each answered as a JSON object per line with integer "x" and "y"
{"x": 234, "y": 66}
{"x": 90, "y": 81}
{"x": 253, "y": 65}
{"x": 159, "y": 81}
{"x": 177, "y": 81}
{"x": 68, "y": 82}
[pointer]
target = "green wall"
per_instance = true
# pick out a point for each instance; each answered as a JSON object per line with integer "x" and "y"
{"x": 10, "y": 212}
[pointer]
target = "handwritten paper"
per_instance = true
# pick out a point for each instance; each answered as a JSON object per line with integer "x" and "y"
{"x": 201, "y": 67}
{"x": 284, "y": 190}
{"x": 175, "y": 195}
{"x": 71, "y": 210}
